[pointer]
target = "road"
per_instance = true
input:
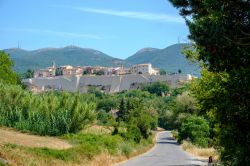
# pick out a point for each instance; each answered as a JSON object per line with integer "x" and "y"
{"x": 166, "y": 152}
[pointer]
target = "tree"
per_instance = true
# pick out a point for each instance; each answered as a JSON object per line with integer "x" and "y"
{"x": 134, "y": 133}
{"x": 163, "y": 72}
{"x": 184, "y": 103}
{"x": 157, "y": 88}
{"x": 99, "y": 72}
{"x": 94, "y": 90}
{"x": 221, "y": 32}
{"x": 196, "y": 129}
{"x": 179, "y": 71}
{"x": 59, "y": 72}
{"x": 166, "y": 119}
{"x": 7, "y": 75}
{"x": 85, "y": 72}
{"x": 29, "y": 74}
{"x": 142, "y": 119}
{"x": 106, "y": 104}
{"x": 123, "y": 114}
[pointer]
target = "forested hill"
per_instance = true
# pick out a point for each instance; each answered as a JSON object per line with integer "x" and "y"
{"x": 169, "y": 58}
{"x": 70, "y": 55}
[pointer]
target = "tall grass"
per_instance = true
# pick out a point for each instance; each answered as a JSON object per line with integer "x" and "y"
{"x": 44, "y": 114}
{"x": 199, "y": 151}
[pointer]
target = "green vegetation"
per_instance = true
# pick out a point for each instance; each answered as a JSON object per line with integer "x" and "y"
{"x": 196, "y": 129}
{"x": 87, "y": 146}
{"x": 44, "y": 114}
{"x": 67, "y": 114}
{"x": 71, "y": 55}
{"x": 220, "y": 30}
{"x": 157, "y": 88}
{"x": 163, "y": 72}
{"x": 6, "y": 73}
{"x": 169, "y": 59}
{"x": 28, "y": 74}
{"x": 139, "y": 112}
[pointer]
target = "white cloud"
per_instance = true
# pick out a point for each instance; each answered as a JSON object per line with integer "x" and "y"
{"x": 56, "y": 33}
{"x": 133, "y": 14}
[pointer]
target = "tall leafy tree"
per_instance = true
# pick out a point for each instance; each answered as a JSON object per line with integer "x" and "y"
{"x": 220, "y": 30}
{"x": 7, "y": 75}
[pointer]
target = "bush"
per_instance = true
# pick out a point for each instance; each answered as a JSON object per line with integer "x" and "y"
{"x": 133, "y": 133}
{"x": 184, "y": 103}
{"x": 196, "y": 129}
{"x": 126, "y": 149}
{"x": 106, "y": 104}
{"x": 104, "y": 118}
{"x": 157, "y": 88}
{"x": 167, "y": 119}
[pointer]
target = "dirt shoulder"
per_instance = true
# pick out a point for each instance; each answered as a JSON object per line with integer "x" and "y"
{"x": 9, "y": 136}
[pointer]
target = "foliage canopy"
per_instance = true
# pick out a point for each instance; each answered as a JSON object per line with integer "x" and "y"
{"x": 7, "y": 75}
{"x": 221, "y": 32}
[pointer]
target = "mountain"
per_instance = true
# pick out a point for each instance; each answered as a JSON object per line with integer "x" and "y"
{"x": 70, "y": 55}
{"x": 170, "y": 59}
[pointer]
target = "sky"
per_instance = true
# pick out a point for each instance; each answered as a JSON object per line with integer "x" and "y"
{"x": 118, "y": 28}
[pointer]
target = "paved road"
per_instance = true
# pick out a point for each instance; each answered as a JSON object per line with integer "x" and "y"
{"x": 166, "y": 152}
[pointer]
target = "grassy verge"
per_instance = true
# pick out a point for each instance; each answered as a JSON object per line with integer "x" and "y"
{"x": 200, "y": 152}
{"x": 89, "y": 148}
{"x": 195, "y": 150}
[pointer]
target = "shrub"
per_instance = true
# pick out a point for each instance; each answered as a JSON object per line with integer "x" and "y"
{"x": 106, "y": 104}
{"x": 196, "y": 129}
{"x": 157, "y": 88}
{"x": 133, "y": 133}
{"x": 126, "y": 149}
{"x": 166, "y": 120}
{"x": 104, "y": 118}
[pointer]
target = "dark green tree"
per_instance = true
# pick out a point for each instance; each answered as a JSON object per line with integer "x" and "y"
{"x": 85, "y": 72}
{"x": 7, "y": 75}
{"x": 163, "y": 72}
{"x": 221, "y": 32}
{"x": 99, "y": 72}
{"x": 29, "y": 74}
{"x": 123, "y": 114}
{"x": 157, "y": 88}
{"x": 106, "y": 104}
{"x": 59, "y": 72}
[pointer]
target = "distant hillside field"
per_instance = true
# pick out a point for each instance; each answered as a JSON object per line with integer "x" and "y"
{"x": 169, "y": 58}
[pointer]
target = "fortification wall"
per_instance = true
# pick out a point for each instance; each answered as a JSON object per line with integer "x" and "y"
{"x": 111, "y": 84}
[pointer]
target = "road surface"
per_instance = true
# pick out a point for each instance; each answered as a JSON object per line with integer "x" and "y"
{"x": 166, "y": 152}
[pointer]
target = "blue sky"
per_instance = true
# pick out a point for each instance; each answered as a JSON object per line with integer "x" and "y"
{"x": 116, "y": 27}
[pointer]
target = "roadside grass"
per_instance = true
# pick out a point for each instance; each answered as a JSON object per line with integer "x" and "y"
{"x": 97, "y": 129}
{"x": 195, "y": 150}
{"x": 201, "y": 152}
{"x": 89, "y": 148}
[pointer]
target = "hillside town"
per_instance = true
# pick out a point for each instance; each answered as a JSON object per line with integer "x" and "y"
{"x": 105, "y": 79}
{"x": 70, "y": 71}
